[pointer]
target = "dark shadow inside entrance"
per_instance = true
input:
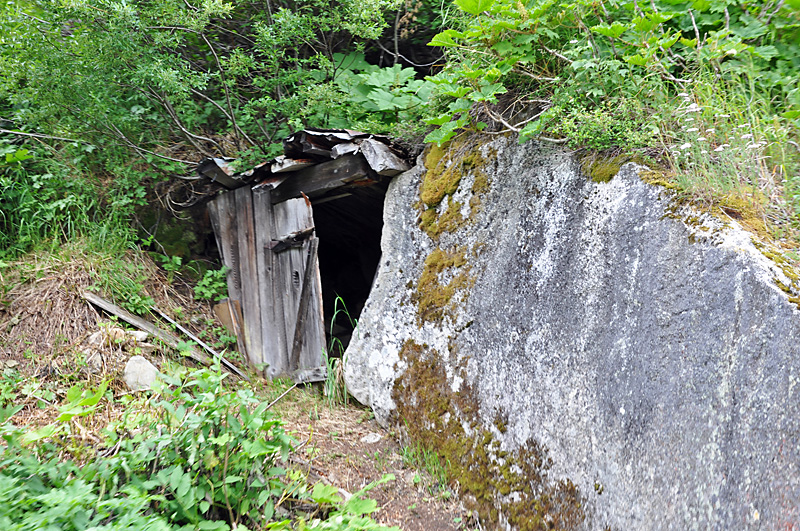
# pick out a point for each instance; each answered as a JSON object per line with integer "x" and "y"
{"x": 349, "y": 226}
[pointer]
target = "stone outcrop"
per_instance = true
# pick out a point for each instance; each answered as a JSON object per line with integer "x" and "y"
{"x": 585, "y": 354}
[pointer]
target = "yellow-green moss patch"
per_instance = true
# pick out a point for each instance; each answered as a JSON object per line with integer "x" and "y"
{"x": 658, "y": 178}
{"x": 433, "y": 297}
{"x": 602, "y": 167}
{"x": 491, "y": 481}
{"x": 445, "y": 168}
{"x": 451, "y": 219}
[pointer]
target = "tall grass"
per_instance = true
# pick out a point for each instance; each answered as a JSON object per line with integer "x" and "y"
{"x": 728, "y": 140}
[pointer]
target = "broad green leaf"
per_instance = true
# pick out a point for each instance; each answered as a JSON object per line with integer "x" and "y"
{"x": 358, "y": 506}
{"x": 441, "y": 120}
{"x": 637, "y": 60}
{"x": 222, "y": 440}
{"x": 612, "y": 31}
{"x": 93, "y": 399}
{"x": 475, "y": 7}
{"x": 40, "y": 433}
{"x": 445, "y": 38}
{"x": 488, "y": 92}
{"x": 503, "y": 47}
{"x": 325, "y": 494}
{"x": 8, "y": 412}
{"x": 217, "y": 525}
{"x": 667, "y": 42}
{"x": 175, "y": 478}
{"x": 443, "y": 133}
{"x": 18, "y": 156}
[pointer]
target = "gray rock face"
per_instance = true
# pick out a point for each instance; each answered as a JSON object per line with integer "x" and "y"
{"x": 646, "y": 347}
{"x": 140, "y": 374}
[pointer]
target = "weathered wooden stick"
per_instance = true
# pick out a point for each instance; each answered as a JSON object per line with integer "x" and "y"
{"x": 228, "y": 365}
{"x": 168, "y": 338}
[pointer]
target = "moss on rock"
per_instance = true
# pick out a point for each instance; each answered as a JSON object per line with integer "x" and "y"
{"x": 445, "y": 168}
{"x": 500, "y": 485}
{"x": 433, "y": 296}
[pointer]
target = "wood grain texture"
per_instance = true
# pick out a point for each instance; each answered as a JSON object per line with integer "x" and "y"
{"x": 248, "y": 266}
{"x": 273, "y": 332}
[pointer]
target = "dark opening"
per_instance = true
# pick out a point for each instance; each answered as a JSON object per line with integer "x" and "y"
{"x": 348, "y": 225}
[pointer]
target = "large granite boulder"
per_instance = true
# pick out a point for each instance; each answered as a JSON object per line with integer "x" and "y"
{"x": 585, "y": 354}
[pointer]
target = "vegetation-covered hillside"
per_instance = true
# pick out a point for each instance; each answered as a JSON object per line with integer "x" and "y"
{"x": 104, "y": 103}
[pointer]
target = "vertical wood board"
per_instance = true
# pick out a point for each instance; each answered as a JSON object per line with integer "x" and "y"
{"x": 291, "y": 216}
{"x": 250, "y": 300}
{"x": 273, "y": 333}
{"x": 222, "y": 212}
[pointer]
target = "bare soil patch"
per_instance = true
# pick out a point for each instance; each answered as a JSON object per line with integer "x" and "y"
{"x": 344, "y": 446}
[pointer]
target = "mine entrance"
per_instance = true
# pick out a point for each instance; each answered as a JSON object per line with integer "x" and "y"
{"x": 349, "y": 230}
{"x": 300, "y": 237}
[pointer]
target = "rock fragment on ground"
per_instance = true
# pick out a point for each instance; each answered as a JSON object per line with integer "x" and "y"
{"x": 140, "y": 374}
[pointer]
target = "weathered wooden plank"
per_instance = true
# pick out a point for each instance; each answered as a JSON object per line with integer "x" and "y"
{"x": 289, "y": 217}
{"x": 168, "y": 338}
{"x": 222, "y": 212}
{"x": 302, "y": 318}
{"x": 248, "y": 266}
{"x": 273, "y": 333}
{"x": 322, "y": 177}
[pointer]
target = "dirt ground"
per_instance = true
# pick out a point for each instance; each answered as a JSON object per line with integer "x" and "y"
{"x": 343, "y": 445}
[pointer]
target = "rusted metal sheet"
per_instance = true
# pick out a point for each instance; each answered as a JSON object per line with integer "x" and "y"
{"x": 282, "y": 164}
{"x": 350, "y": 148}
{"x": 220, "y": 170}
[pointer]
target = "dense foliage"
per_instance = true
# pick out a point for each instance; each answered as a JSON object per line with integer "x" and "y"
{"x": 592, "y": 54}
{"x": 194, "y": 456}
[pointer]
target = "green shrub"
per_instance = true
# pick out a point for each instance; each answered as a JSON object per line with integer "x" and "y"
{"x": 194, "y": 455}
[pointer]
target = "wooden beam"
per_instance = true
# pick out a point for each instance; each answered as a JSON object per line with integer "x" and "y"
{"x": 322, "y": 177}
{"x": 273, "y": 333}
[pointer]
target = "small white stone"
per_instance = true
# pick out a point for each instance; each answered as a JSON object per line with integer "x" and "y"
{"x": 137, "y": 335}
{"x": 140, "y": 374}
{"x": 371, "y": 438}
